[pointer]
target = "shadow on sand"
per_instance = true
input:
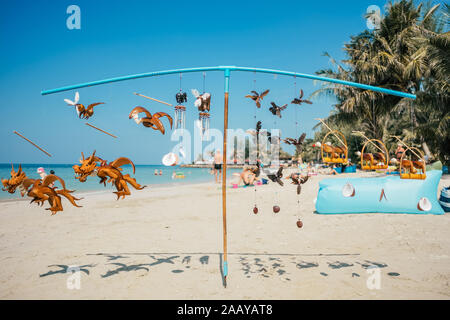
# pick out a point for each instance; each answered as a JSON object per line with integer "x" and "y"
{"x": 265, "y": 265}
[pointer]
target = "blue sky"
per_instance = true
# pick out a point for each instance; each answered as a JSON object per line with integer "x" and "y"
{"x": 126, "y": 37}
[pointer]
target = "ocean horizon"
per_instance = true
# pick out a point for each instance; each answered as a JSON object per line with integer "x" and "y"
{"x": 145, "y": 175}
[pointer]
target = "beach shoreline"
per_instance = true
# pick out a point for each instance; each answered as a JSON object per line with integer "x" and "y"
{"x": 166, "y": 243}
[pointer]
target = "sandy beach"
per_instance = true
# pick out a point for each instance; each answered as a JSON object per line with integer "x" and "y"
{"x": 165, "y": 243}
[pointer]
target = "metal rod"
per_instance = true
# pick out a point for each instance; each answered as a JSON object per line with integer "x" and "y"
{"x": 141, "y": 95}
{"x": 232, "y": 68}
{"x": 32, "y": 143}
{"x": 224, "y": 177}
{"x": 90, "y": 125}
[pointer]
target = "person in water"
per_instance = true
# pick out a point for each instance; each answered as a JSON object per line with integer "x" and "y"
{"x": 218, "y": 159}
{"x": 156, "y": 172}
{"x": 160, "y": 172}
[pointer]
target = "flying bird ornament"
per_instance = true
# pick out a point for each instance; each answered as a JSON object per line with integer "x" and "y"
{"x": 275, "y": 176}
{"x": 203, "y": 101}
{"x": 276, "y": 110}
{"x": 300, "y": 99}
{"x": 150, "y": 121}
{"x": 298, "y": 180}
{"x": 257, "y": 97}
{"x": 298, "y": 143}
{"x": 82, "y": 111}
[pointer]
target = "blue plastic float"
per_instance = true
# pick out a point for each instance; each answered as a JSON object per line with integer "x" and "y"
{"x": 387, "y": 194}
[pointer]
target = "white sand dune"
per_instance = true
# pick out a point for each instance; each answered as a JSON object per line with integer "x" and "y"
{"x": 165, "y": 243}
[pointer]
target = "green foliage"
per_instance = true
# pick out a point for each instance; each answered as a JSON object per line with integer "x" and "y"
{"x": 410, "y": 52}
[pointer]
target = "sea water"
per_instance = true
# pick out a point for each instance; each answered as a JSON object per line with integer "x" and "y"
{"x": 144, "y": 175}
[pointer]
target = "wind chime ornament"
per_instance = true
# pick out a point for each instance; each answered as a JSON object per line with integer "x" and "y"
{"x": 180, "y": 110}
{"x": 203, "y": 103}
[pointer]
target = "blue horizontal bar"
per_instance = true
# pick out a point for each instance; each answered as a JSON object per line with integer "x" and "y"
{"x": 228, "y": 69}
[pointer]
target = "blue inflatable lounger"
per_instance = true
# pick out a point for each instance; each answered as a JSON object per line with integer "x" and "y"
{"x": 388, "y": 194}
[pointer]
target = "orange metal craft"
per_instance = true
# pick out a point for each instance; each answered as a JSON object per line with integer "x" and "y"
{"x": 17, "y": 178}
{"x": 86, "y": 112}
{"x": 42, "y": 190}
{"x": 150, "y": 121}
{"x": 111, "y": 172}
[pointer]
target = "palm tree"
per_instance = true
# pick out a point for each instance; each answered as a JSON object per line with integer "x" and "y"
{"x": 408, "y": 53}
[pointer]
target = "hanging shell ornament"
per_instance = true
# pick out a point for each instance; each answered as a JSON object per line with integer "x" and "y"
{"x": 424, "y": 204}
{"x": 348, "y": 190}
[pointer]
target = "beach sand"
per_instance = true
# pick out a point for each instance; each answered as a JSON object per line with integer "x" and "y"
{"x": 165, "y": 243}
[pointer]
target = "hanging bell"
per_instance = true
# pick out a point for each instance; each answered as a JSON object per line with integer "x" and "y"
{"x": 180, "y": 118}
{"x": 204, "y": 124}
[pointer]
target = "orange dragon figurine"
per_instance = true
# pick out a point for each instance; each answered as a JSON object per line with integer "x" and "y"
{"x": 41, "y": 191}
{"x": 105, "y": 171}
{"x": 15, "y": 181}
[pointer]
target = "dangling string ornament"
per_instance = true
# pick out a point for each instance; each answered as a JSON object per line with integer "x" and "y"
{"x": 204, "y": 124}
{"x": 203, "y": 103}
{"x": 180, "y": 109}
{"x": 255, "y": 208}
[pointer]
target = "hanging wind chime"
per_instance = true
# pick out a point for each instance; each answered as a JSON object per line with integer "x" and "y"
{"x": 203, "y": 103}
{"x": 298, "y": 179}
{"x": 180, "y": 109}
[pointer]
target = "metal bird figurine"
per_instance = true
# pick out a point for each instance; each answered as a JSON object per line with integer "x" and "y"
{"x": 298, "y": 180}
{"x": 275, "y": 177}
{"x": 299, "y": 100}
{"x": 257, "y": 97}
{"x": 298, "y": 143}
{"x": 276, "y": 110}
{"x": 82, "y": 111}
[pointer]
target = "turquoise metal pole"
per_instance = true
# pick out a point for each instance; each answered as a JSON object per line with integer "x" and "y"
{"x": 224, "y": 174}
{"x": 231, "y": 68}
